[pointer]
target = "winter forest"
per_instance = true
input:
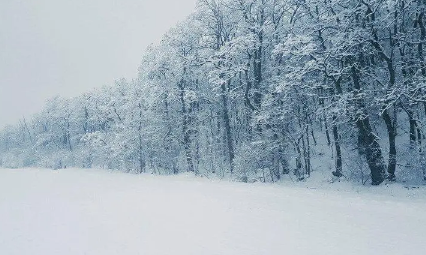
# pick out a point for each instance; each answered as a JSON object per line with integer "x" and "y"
{"x": 254, "y": 90}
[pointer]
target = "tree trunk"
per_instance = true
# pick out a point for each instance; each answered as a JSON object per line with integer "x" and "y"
{"x": 413, "y": 127}
{"x": 339, "y": 168}
{"x": 367, "y": 141}
{"x": 327, "y": 133}
{"x": 307, "y": 153}
{"x": 142, "y": 163}
{"x": 185, "y": 129}
{"x": 338, "y": 172}
{"x": 390, "y": 124}
{"x": 258, "y": 65}
{"x": 391, "y": 128}
{"x": 227, "y": 124}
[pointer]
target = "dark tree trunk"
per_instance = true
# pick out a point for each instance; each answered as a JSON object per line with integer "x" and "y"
{"x": 227, "y": 124}
{"x": 307, "y": 153}
{"x": 369, "y": 146}
{"x": 298, "y": 170}
{"x": 327, "y": 132}
{"x": 313, "y": 137}
{"x": 390, "y": 123}
{"x": 413, "y": 127}
{"x": 419, "y": 138}
{"x": 391, "y": 128}
{"x": 422, "y": 38}
{"x": 258, "y": 66}
{"x": 257, "y": 77}
{"x": 367, "y": 141}
{"x": 338, "y": 172}
{"x": 249, "y": 86}
{"x": 339, "y": 168}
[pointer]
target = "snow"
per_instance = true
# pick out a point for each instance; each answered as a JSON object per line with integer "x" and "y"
{"x": 75, "y": 211}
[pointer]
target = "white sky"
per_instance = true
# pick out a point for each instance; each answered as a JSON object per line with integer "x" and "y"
{"x": 63, "y": 47}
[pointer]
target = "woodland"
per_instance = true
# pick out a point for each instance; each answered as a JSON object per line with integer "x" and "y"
{"x": 254, "y": 90}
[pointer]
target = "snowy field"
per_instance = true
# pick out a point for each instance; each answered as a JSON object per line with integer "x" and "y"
{"x": 46, "y": 212}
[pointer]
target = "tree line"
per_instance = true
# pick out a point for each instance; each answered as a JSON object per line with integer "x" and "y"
{"x": 256, "y": 89}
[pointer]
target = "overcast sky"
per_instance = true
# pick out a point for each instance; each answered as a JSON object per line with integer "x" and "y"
{"x": 63, "y": 47}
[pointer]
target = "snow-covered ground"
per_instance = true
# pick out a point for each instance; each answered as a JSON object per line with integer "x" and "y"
{"x": 73, "y": 211}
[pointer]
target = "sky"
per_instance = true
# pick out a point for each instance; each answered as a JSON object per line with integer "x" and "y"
{"x": 62, "y": 47}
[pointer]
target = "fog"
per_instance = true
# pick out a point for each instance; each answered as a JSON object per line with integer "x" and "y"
{"x": 60, "y": 47}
